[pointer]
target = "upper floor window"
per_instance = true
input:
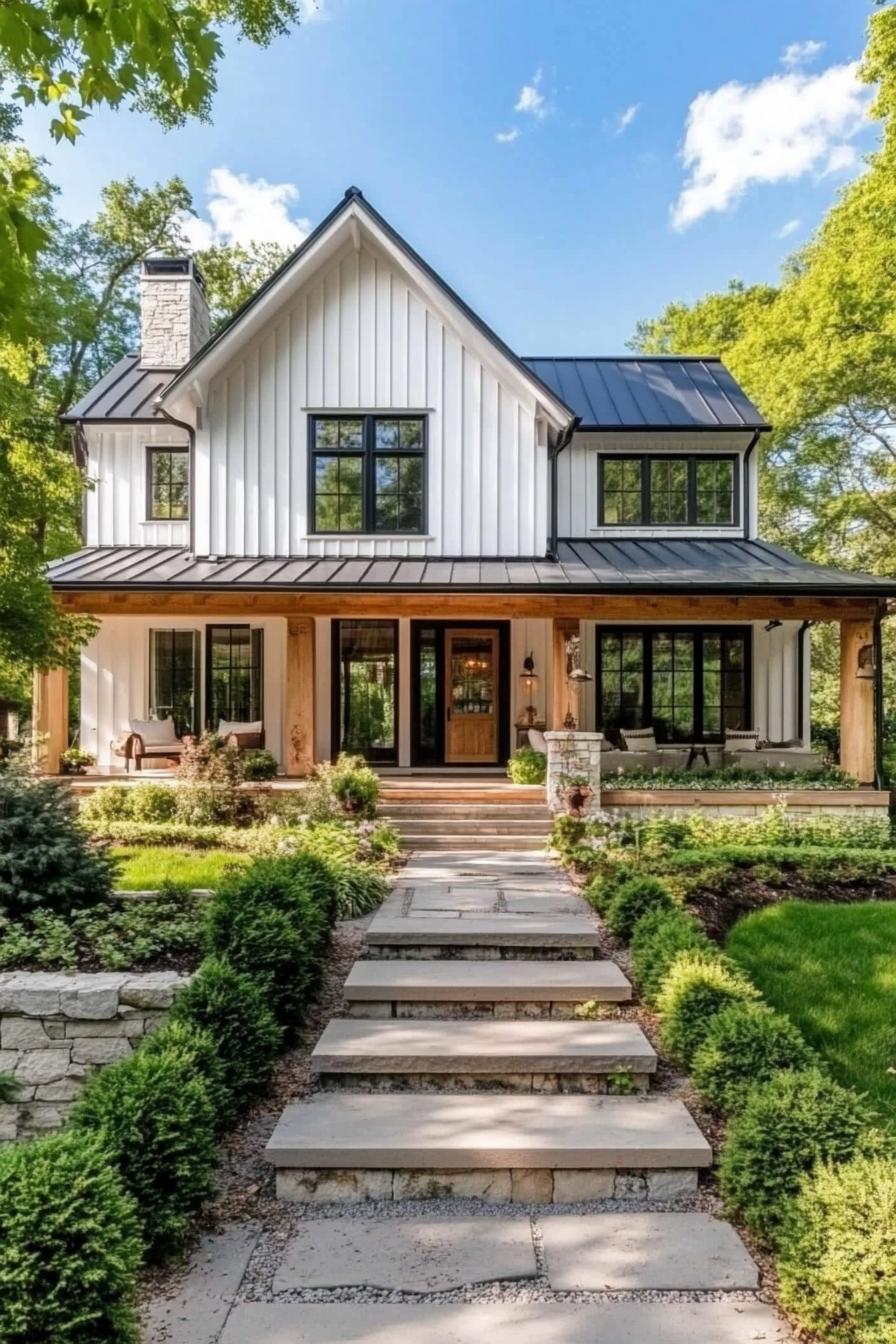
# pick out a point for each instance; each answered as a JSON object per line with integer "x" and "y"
{"x": 168, "y": 484}
{"x": 665, "y": 491}
{"x": 367, "y": 473}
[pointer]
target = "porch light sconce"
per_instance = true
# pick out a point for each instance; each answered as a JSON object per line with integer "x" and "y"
{"x": 529, "y": 678}
{"x": 577, "y": 678}
{"x": 866, "y": 666}
{"x": 772, "y": 625}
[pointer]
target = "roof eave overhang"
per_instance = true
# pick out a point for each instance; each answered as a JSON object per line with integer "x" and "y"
{"x": 345, "y": 223}
{"x": 673, "y": 429}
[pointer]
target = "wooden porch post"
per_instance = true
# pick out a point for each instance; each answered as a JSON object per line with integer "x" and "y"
{"x": 300, "y": 695}
{"x": 856, "y": 702}
{"x": 49, "y": 720}
{"x": 560, "y": 702}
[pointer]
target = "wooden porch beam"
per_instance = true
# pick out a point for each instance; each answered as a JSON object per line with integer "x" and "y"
{"x": 423, "y": 605}
{"x": 856, "y": 702}
{"x": 49, "y": 718}
{"x": 300, "y": 755}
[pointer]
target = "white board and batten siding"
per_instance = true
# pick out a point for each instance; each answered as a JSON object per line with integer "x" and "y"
{"x": 360, "y": 337}
{"x": 115, "y": 680}
{"x": 577, "y": 476}
{"x": 116, "y": 506}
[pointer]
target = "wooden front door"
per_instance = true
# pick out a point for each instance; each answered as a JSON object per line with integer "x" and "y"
{"x": 471, "y": 696}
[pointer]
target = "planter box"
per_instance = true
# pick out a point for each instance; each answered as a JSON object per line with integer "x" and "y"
{"x": 865, "y": 803}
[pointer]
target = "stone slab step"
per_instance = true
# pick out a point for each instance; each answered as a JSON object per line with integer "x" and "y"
{"x": 487, "y": 1133}
{"x": 722, "y": 1322}
{"x": 423, "y": 824}
{"x": 560, "y": 931}
{"x": 392, "y": 983}
{"x": 481, "y": 812}
{"x": 425, "y": 841}
{"x": 488, "y": 1047}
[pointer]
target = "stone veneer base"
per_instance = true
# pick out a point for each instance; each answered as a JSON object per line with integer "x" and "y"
{"x": 528, "y": 1185}
{"x": 56, "y": 1029}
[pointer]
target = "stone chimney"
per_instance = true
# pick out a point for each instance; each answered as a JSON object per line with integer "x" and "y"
{"x": 173, "y": 312}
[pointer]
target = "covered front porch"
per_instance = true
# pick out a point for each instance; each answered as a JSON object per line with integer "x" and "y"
{"x": 449, "y": 681}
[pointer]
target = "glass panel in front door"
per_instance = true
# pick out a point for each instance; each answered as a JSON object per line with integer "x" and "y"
{"x": 471, "y": 711}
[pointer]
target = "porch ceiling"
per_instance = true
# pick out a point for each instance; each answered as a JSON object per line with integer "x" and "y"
{"x": 621, "y": 566}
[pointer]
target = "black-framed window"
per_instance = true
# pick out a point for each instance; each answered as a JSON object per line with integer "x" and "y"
{"x": 367, "y": 474}
{"x": 688, "y": 683}
{"x": 365, "y": 689}
{"x": 665, "y": 490}
{"x": 174, "y": 678}
{"x": 234, "y": 674}
{"x": 168, "y": 484}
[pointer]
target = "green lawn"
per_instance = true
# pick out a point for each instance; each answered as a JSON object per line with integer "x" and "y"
{"x": 832, "y": 969}
{"x": 143, "y": 869}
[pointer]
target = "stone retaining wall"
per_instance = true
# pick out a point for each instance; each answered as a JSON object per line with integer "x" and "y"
{"x": 853, "y": 804}
{"x": 56, "y": 1029}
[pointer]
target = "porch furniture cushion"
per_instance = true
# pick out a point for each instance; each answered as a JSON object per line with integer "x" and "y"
{"x": 638, "y": 739}
{"x": 537, "y": 741}
{"x": 156, "y": 732}
{"x": 226, "y": 727}
{"x": 741, "y": 739}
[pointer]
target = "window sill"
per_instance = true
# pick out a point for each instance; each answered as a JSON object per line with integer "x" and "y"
{"x": 151, "y": 522}
{"x": 367, "y": 536}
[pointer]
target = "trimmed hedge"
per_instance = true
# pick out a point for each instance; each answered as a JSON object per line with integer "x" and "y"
{"x": 696, "y": 987}
{"x": 233, "y": 1008}
{"x": 837, "y": 1259}
{"x": 603, "y": 887}
{"x": 786, "y": 1126}
{"x": 196, "y": 1050}
{"x": 746, "y": 1044}
{"x": 657, "y": 940}
{"x": 69, "y": 1245}
{"x": 273, "y": 921}
{"x": 156, "y": 1120}
{"x": 633, "y": 899}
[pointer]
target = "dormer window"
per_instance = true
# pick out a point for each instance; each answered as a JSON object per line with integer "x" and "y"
{"x": 367, "y": 474}
{"x": 661, "y": 490}
{"x": 167, "y": 484}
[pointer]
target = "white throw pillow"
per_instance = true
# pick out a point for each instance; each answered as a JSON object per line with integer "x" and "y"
{"x": 638, "y": 739}
{"x": 156, "y": 732}
{"x": 741, "y": 739}
{"x": 537, "y": 741}
{"x": 225, "y": 727}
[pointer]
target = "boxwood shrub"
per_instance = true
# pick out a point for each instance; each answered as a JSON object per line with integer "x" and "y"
{"x": 657, "y": 940}
{"x": 837, "y": 1252}
{"x": 745, "y": 1044}
{"x": 273, "y": 920}
{"x": 69, "y": 1245}
{"x": 634, "y": 898}
{"x": 602, "y": 888}
{"x": 155, "y": 1118}
{"x": 197, "y": 1051}
{"x": 234, "y": 1009}
{"x": 696, "y": 987}
{"x": 787, "y": 1125}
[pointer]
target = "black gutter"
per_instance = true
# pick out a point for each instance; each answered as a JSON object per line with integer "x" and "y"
{"x": 563, "y": 441}
{"x": 191, "y": 434}
{"x": 801, "y": 681}
{"x": 748, "y": 453}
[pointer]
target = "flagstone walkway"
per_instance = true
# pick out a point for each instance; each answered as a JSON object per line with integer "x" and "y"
{"x": 491, "y": 1177}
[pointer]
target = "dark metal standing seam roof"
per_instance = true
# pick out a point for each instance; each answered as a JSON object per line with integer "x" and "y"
{"x": 605, "y": 566}
{"x": 127, "y": 392}
{"x": 648, "y": 392}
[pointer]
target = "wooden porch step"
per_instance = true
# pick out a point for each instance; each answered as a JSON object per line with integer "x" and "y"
{"x": 464, "y": 841}
{"x": 425, "y": 824}
{"x": 545, "y": 1149}
{"x": 482, "y": 812}
{"x": 402, "y": 988}
{"x": 529, "y": 1055}
{"x": 468, "y": 794}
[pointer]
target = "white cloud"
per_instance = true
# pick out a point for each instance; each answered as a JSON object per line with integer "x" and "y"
{"x": 507, "y": 137}
{"x": 310, "y": 11}
{"x": 245, "y": 210}
{"x": 801, "y": 53}
{"x": 625, "y": 119}
{"x": 531, "y": 99}
{"x": 790, "y": 227}
{"x": 779, "y": 129}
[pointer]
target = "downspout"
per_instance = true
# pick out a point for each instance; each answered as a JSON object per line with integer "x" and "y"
{"x": 81, "y": 457}
{"x": 801, "y": 637}
{"x": 757, "y": 433}
{"x": 878, "y": 647}
{"x": 191, "y": 434}
{"x": 563, "y": 442}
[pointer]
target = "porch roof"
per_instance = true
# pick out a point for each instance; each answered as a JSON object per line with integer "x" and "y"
{"x": 604, "y": 566}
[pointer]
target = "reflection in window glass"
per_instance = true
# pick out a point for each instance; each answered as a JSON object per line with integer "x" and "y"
{"x": 174, "y": 678}
{"x": 368, "y": 474}
{"x": 367, "y": 654}
{"x": 235, "y": 673}
{"x": 669, "y": 490}
{"x": 715, "y": 491}
{"x": 621, "y": 495}
{"x": 169, "y": 483}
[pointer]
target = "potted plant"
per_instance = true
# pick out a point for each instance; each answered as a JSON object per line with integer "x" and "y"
{"x": 74, "y": 761}
{"x": 577, "y": 790}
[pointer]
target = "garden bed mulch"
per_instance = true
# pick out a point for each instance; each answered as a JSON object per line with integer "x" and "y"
{"x": 719, "y": 909}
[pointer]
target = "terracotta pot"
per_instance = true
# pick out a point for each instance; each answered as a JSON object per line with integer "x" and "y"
{"x": 577, "y": 797}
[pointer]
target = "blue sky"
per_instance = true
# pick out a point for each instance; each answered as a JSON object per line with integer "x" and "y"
{"x": 584, "y": 216}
